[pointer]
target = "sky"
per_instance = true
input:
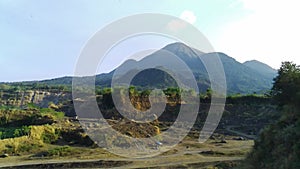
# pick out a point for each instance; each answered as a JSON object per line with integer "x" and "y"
{"x": 43, "y": 39}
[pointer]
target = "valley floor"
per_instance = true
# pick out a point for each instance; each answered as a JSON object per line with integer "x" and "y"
{"x": 221, "y": 151}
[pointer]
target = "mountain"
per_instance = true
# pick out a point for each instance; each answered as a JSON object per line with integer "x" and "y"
{"x": 241, "y": 78}
{"x": 245, "y": 78}
{"x": 261, "y": 68}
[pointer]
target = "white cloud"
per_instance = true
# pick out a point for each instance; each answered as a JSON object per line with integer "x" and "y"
{"x": 270, "y": 33}
{"x": 188, "y": 16}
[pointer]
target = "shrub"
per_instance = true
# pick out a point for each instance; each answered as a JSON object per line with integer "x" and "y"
{"x": 60, "y": 151}
{"x": 21, "y": 131}
{"x": 50, "y": 135}
{"x": 54, "y": 114}
{"x": 19, "y": 145}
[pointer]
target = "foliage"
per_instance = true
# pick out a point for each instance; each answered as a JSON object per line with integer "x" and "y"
{"x": 27, "y": 117}
{"x": 17, "y": 122}
{"x": 59, "y": 151}
{"x": 19, "y": 145}
{"x": 17, "y": 117}
{"x": 11, "y": 132}
{"x": 52, "y": 113}
{"x": 50, "y": 134}
{"x": 49, "y": 85}
{"x": 279, "y": 144}
{"x": 248, "y": 99}
{"x": 22, "y": 131}
{"x": 62, "y": 151}
{"x": 286, "y": 89}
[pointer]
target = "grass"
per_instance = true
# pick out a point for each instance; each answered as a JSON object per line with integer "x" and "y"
{"x": 61, "y": 151}
{"x": 33, "y": 138}
{"x": 50, "y": 112}
{"x": 19, "y": 145}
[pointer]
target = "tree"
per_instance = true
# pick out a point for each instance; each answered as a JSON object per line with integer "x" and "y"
{"x": 286, "y": 89}
{"x": 278, "y": 146}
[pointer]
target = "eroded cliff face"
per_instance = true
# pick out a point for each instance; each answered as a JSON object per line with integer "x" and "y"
{"x": 40, "y": 98}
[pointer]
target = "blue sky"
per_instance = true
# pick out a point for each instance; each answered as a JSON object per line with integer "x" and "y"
{"x": 43, "y": 39}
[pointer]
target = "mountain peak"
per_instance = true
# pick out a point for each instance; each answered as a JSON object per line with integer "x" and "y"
{"x": 255, "y": 62}
{"x": 176, "y": 45}
{"x": 179, "y": 48}
{"x": 259, "y": 66}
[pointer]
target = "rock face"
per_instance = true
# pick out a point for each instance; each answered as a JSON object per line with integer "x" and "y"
{"x": 40, "y": 98}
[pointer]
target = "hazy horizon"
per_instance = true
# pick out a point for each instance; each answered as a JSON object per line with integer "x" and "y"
{"x": 110, "y": 67}
{"x": 38, "y": 43}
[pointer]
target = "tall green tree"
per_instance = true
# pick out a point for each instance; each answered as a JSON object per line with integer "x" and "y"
{"x": 286, "y": 89}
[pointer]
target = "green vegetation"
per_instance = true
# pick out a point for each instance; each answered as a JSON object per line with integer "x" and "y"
{"x": 35, "y": 130}
{"x": 52, "y": 113}
{"x": 11, "y": 132}
{"x": 30, "y": 116}
{"x": 50, "y": 134}
{"x": 278, "y": 146}
{"x": 31, "y": 130}
{"x": 42, "y": 86}
{"x": 60, "y": 151}
{"x": 22, "y": 131}
{"x": 248, "y": 99}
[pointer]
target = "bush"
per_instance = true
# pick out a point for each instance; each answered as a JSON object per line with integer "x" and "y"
{"x": 21, "y": 131}
{"x": 19, "y": 145}
{"x": 60, "y": 151}
{"x": 50, "y": 135}
{"x": 50, "y": 112}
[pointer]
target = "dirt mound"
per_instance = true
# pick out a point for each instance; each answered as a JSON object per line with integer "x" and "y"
{"x": 135, "y": 129}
